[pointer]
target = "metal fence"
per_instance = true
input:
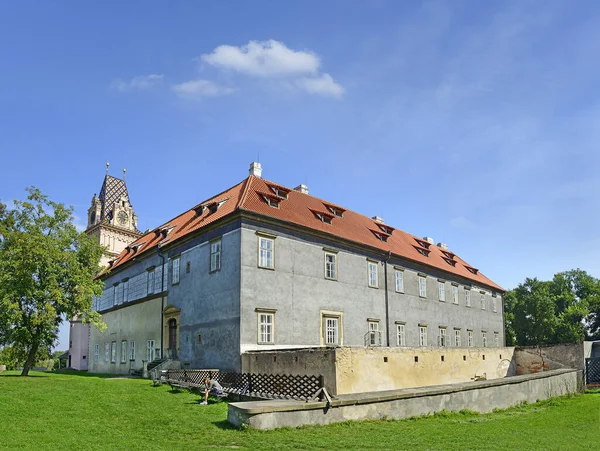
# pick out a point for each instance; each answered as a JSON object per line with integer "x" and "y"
{"x": 273, "y": 386}
{"x": 592, "y": 371}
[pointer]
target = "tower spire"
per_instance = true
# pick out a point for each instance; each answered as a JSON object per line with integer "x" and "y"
{"x": 124, "y": 173}
{"x": 107, "y": 165}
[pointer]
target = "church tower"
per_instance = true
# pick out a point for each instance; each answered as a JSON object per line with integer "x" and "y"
{"x": 111, "y": 217}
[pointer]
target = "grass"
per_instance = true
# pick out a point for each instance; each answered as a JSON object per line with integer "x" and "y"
{"x": 74, "y": 410}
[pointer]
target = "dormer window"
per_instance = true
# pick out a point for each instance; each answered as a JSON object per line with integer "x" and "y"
{"x": 271, "y": 201}
{"x": 279, "y": 191}
{"x": 449, "y": 255}
{"x": 423, "y": 244}
{"x": 322, "y": 216}
{"x": 422, "y": 251}
{"x": 472, "y": 270}
{"x": 336, "y": 211}
{"x": 449, "y": 261}
{"x": 381, "y": 236}
{"x": 386, "y": 229}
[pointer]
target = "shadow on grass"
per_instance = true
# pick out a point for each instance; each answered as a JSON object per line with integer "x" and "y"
{"x": 224, "y": 424}
{"x": 24, "y": 377}
{"x": 70, "y": 372}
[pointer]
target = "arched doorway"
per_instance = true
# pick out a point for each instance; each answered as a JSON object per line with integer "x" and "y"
{"x": 172, "y": 337}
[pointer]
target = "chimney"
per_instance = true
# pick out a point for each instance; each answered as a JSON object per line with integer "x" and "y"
{"x": 443, "y": 246}
{"x": 255, "y": 169}
{"x": 378, "y": 219}
{"x": 302, "y": 188}
{"x": 429, "y": 239}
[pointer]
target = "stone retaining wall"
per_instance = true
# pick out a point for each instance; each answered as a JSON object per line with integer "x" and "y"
{"x": 483, "y": 397}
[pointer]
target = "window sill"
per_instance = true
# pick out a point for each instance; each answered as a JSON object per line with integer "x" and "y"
{"x": 442, "y": 300}
{"x": 399, "y": 292}
{"x": 423, "y": 297}
{"x": 265, "y": 343}
{"x": 331, "y": 278}
{"x": 266, "y": 267}
{"x": 174, "y": 283}
{"x": 214, "y": 271}
{"x": 373, "y": 286}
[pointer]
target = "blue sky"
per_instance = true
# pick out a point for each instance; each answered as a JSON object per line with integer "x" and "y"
{"x": 472, "y": 122}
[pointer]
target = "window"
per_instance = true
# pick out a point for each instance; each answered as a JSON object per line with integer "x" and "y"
{"x": 422, "y": 335}
{"x": 470, "y": 338}
{"x": 442, "y": 287}
{"x": 494, "y": 305}
{"x": 115, "y": 298}
{"x": 373, "y": 274}
{"x": 215, "y": 255}
{"x": 126, "y": 290}
{"x": 330, "y": 266}
{"x": 113, "y": 352}
{"x": 484, "y": 339}
{"x": 175, "y": 274}
{"x": 401, "y": 335}
{"x": 422, "y": 287}
{"x": 399, "y": 281}
{"x": 106, "y": 352}
{"x": 266, "y": 327}
{"x": 265, "y": 257}
{"x": 373, "y": 333}
{"x": 496, "y": 339}
{"x": 96, "y": 352}
{"x": 455, "y": 294}
{"x": 123, "y": 351}
{"x": 150, "y": 350}
{"x": 482, "y": 301}
{"x": 331, "y": 325}
{"x": 457, "y": 342}
{"x": 151, "y": 281}
{"x": 442, "y": 341}
{"x": 467, "y": 297}
{"x": 132, "y": 351}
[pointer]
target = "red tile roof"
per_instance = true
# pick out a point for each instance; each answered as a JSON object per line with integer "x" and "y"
{"x": 298, "y": 209}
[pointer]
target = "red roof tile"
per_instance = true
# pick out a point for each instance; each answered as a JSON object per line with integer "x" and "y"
{"x": 298, "y": 209}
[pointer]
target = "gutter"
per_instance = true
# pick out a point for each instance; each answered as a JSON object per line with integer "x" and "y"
{"x": 162, "y": 301}
{"x": 387, "y": 307}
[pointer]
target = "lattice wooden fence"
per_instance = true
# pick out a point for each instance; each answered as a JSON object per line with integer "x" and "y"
{"x": 274, "y": 386}
{"x": 592, "y": 371}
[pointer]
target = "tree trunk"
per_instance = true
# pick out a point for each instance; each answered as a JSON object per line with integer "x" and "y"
{"x": 30, "y": 359}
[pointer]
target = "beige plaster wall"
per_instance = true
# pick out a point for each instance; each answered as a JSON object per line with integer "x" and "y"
{"x": 365, "y": 369}
{"x": 137, "y": 322}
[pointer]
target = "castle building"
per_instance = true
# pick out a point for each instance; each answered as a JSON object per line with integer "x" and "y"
{"x": 261, "y": 266}
{"x": 112, "y": 220}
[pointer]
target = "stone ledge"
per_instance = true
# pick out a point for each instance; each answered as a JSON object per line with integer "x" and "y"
{"x": 257, "y": 407}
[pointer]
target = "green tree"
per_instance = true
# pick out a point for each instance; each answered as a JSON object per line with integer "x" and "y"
{"x": 47, "y": 272}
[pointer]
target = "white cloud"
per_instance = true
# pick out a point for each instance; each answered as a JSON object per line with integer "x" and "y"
{"x": 323, "y": 85}
{"x": 200, "y": 88}
{"x": 137, "y": 83}
{"x": 264, "y": 59}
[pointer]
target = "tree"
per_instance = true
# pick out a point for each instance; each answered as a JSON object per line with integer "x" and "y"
{"x": 47, "y": 272}
{"x": 563, "y": 310}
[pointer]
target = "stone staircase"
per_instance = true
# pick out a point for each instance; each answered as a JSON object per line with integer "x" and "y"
{"x": 151, "y": 366}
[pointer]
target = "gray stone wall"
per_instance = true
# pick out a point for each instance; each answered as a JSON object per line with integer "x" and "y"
{"x": 298, "y": 290}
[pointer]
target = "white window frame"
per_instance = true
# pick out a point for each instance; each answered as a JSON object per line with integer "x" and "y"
{"x": 331, "y": 266}
{"x": 215, "y": 255}
{"x": 497, "y": 339}
{"x": 454, "y": 294}
{"x": 115, "y": 294}
{"x": 175, "y": 270}
{"x": 150, "y": 350}
{"x": 443, "y": 342}
{"x": 422, "y": 286}
{"x": 113, "y": 352}
{"x": 401, "y": 334}
{"x": 96, "y": 352}
{"x": 106, "y": 352}
{"x": 266, "y": 329}
{"x": 482, "y": 301}
{"x": 150, "y": 282}
{"x": 484, "y": 339}
{"x": 470, "y": 341}
{"x": 266, "y": 254}
{"x": 123, "y": 351}
{"x": 422, "y": 335}
{"x": 442, "y": 291}
{"x": 373, "y": 332}
{"x": 125, "y": 290}
{"x": 132, "y": 351}
{"x": 399, "y": 281}
{"x": 338, "y": 320}
{"x": 457, "y": 338}
{"x": 372, "y": 274}
{"x": 467, "y": 298}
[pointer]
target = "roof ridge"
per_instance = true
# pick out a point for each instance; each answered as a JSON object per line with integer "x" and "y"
{"x": 244, "y": 193}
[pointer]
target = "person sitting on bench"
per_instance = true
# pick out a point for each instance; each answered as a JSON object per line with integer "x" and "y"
{"x": 211, "y": 386}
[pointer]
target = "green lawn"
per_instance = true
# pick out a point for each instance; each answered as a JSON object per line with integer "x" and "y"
{"x": 66, "y": 411}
